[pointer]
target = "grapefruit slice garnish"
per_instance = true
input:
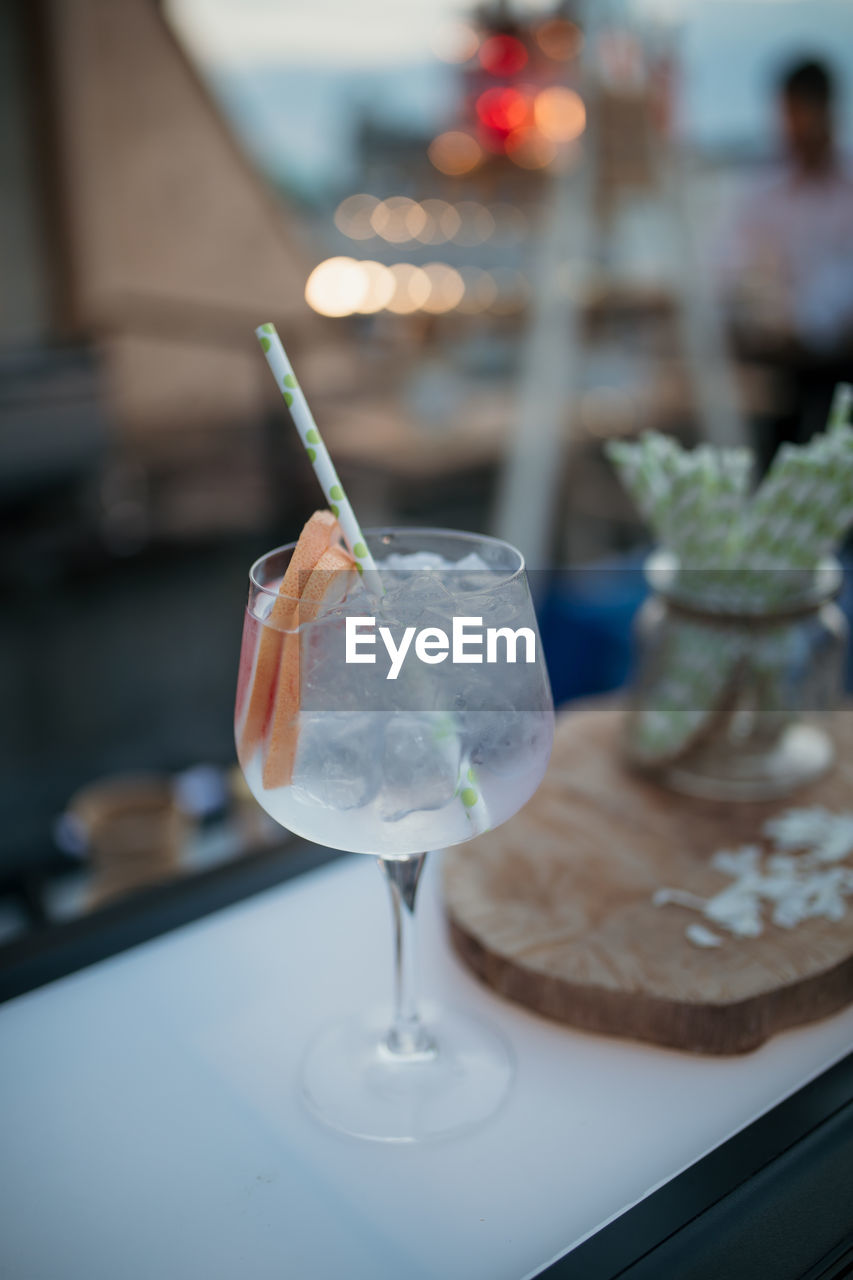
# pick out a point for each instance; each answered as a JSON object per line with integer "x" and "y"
{"x": 324, "y": 587}
{"x": 319, "y": 533}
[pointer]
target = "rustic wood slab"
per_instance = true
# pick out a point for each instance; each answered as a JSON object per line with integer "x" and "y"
{"x": 554, "y": 909}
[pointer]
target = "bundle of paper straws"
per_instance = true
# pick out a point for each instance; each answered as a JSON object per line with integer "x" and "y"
{"x": 729, "y": 540}
{"x": 734, "y": 552}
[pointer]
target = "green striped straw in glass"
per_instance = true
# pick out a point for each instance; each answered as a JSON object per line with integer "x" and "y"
{"x": 318, "y": 455}
{"x": 842, "y": 404}
{"x": 468, "y": 788}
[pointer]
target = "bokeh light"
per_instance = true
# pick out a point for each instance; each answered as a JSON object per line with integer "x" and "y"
{"x": 446, "y": 288}
{"x": 411, "y": 289}
{"x": 560, "y": 114}
{"x": 502, "y": 55}
{"x": 454, "y": 153}
{"x": 455, "y": 42}
{"x": 379, "y": 287}
{"x": 442, "y": 222}
{"x": 336, "y": 287}
{"x": 480, "y": 291}
{"x": 352, "y": 216}
{"x": 476, "y": 224}
{"x": 559, "y": 39}
{"x": 530, "y": 149}
{"x": 502, "y": 109}
{"x": 398, "y": 219}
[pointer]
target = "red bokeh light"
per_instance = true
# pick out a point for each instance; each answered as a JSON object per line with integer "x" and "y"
{"x": 502, "y": 55}
{"x": 502, "y": 109}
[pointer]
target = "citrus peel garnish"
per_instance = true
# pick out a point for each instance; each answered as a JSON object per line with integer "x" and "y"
{"x": 325, "y": 586}
{"x": 320, "y": 532}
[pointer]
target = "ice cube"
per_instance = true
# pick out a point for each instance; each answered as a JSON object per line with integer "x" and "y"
{"x": 472, "y": 563}
{"x": 430, "y": 560}
{"x": 406, "y": 572}
{"x": 420, "y": 764}
{"x": 504, "y": 740}
{"x": 409, "y": 595}
{"x": 327, "y": 682}
{"x": 472, "y": 576}
{"x": 414, "y": 560}
{"x": 338, "y": 759}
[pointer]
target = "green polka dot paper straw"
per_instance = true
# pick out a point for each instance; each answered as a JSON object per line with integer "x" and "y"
{"x": 841, "y": 410}
{"x": 467, "y": 783}
{"x": 318, "y": 455}
{"x": 472, "y": 797}
{"x": 468, "y": 788}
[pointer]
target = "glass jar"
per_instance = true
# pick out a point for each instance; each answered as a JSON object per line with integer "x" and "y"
{"x": 736, "y": 679}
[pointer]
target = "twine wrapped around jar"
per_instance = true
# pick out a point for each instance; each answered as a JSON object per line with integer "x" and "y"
{"x": 731, "y": 702}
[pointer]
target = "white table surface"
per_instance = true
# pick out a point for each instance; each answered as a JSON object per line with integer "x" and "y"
{"x": 150, "y": 1127}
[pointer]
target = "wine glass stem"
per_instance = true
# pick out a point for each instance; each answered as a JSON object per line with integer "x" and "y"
{"x": 407, "y": 1038}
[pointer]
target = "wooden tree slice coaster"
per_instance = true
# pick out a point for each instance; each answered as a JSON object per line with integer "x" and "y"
{"x": 554, "y": 909}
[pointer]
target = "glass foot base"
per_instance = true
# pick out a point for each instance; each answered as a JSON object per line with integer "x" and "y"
{"x": 353, "y": 1083}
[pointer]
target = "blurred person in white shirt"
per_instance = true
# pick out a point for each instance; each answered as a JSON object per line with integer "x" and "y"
{"x": 789, "y": 268}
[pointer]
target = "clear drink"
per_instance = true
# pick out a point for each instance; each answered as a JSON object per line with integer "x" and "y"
{"x": 386, "y": 767}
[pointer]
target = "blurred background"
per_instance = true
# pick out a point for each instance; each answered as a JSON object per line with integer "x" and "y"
{"x": 491, "y": 236}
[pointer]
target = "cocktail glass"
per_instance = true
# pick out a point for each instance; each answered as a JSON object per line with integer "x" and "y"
{"x": 395, "y": 767}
